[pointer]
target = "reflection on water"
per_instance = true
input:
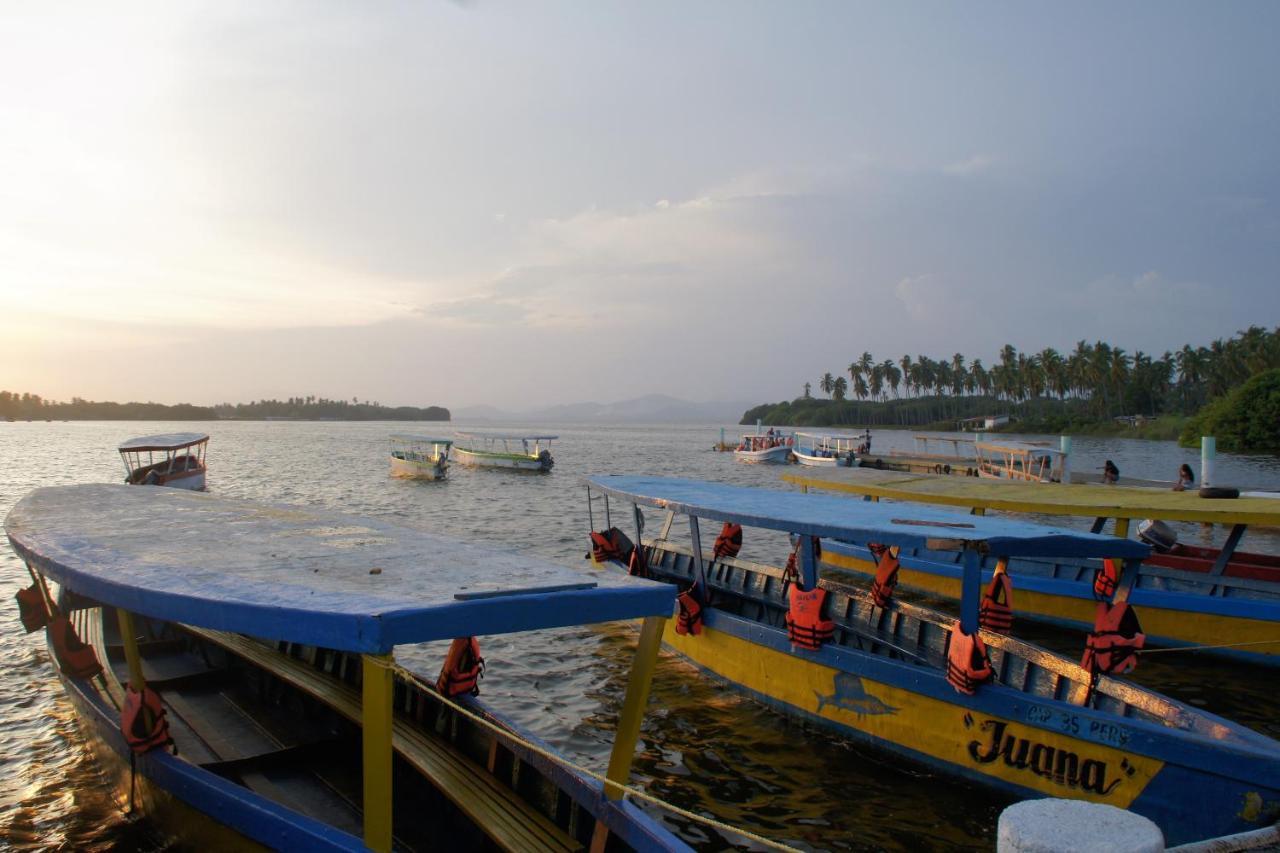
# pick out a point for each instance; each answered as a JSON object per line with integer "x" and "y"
{"x": 703, "y": 746}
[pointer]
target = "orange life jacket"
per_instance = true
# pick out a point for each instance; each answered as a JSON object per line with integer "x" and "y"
{"x": 729, "y": 542}
{"x": 689, "y": 620}
{"x": 638, "y": 565}
{"x": 611, "y": 544}
{"x": 996, "y": 611}
{"x": 805, "y": 625}
{"x": 886, "y": 574}
{"x": 463, "y": 668}
{"x": 967, "y": 663}
{"x": 32, "y": 609}
{"x": 1112, "y": 646}
{"x": 142, "y": 720}
{"x": 792, "y": 571}
{"x": 76, "y": 659}
{"x": 1106, "y": 579}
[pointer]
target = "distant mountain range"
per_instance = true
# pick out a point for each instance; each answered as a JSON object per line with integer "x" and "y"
{"x": 651, "y": 408}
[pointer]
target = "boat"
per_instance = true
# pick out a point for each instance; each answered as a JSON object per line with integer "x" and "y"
{"x": 518, "y": 452}
{"x": 826, "y": 450}
{"x": 1022, "y": 461}
{"x": 1223, "y": 599}
{"x": 887, "y": 674}
{"x": 259, "y": 640}
{"x": 171, "y": 459}
{"x": 770, "y": 448}
{"x": 420, "y": 457}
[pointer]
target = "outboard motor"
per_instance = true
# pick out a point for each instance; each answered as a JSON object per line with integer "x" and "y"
{"x": 1158, "y": 535}
{"x": 545, "y": 458}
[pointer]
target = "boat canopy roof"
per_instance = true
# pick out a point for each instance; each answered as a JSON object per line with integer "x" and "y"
{"x": 830, "y": 516}
{"x": 420, "y": 439}
{"x": 1091, "y": 501}
{"x": 303, "y": 574}
{"x": 164, "y": 441}
{"x": 491, "y": 436}
{"x": 1019, "y": 447}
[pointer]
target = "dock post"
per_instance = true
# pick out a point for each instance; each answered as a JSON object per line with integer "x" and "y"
{"x": 1208, "y": 449}
{"x": 1061, "y": 826}
{"x": 378, "y": 684}
{"x": 1064, "y": 444}
{"x": 624, "y": 742}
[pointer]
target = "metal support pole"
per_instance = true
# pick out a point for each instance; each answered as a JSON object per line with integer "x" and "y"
{"x": 808, "y": 562}
{"x": 970, "y": 591}
{"x": 378, "y": 686}
{"x": 624, "y": 742}
{"x": 129, "y": 638}
{"x": 699, "y": 569}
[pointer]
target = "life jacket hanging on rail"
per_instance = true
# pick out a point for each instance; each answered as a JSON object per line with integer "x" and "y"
{"x": 689, "y": 619}
{"x": 729, "y": 542}
{"x": 886, "y": 573}
{"x": 463, "y": 668}
{"x": 792, "y": 571}
{"x": 1112, "y": 647}
{"x": 968, "y": 666}
{"x": 142, "y": 720}
{"x": 76, "y": 659}
{"x": 31, "y": 608}
{"x": 805, "y": 626}
{"x": 995, "y": 613}
{"x": 638, "y": 565}
{"x": 1106, "y": 579}
{"x": 611, "y": 544}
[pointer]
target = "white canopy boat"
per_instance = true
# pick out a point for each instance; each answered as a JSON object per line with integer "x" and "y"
{"x": 169, "y": 459}
{"x": 826, "y": 450}
{"x": 518, "y": 452}
{"x": 1019, "y": 461}
{"x": 769, "y": 448}
{"x": 420, "y": 457}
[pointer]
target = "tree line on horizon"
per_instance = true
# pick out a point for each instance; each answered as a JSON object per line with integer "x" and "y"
{"x": 26, "y": 406}
{"x": 1105, "y": 380}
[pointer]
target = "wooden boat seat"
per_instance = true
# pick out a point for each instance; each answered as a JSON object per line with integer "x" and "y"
{"x": 507, "y": 819}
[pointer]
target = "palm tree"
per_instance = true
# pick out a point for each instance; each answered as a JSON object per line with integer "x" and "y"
{"x": 827, "y": 383}
{"x": 838, "y": 389}
{"x": 807, "y": 387}
{"x": 907, "y": 375}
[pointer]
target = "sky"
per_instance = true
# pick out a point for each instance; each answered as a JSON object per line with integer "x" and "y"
{"x": 527, "y": 203}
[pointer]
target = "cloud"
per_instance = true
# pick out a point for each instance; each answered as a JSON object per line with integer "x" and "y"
{"x": 976, "y": 164}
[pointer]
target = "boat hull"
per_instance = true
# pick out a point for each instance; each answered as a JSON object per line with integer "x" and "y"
{"x": 418, "y": 470}
{"x": 508, "y": 461}
{"x": 771, "y": 456}
{"x": 846, "y": 461}
{"x": 1168, "y": 618}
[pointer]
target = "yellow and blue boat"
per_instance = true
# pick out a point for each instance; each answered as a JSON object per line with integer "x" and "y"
{"x": 1222, "y": 598}
{"x": 1042, "y": 726}
{"x": 258, "y": 641}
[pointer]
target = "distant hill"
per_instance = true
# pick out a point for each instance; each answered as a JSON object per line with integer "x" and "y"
{"x": 16, "y": 406}
{"x": 651, "y": 408}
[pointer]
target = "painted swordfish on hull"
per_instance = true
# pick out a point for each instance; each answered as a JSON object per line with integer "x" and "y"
{"x": 955, "y": 694}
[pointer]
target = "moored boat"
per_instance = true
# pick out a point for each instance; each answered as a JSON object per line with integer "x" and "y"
{"x": 171, "y": 459}
{"x": 1020, "y": 461}
{"x": 970, "y": 701}
{"x": 819, "y": 451}
{"x": 420, "y": 457}
{"x": 516, "y": 452}
{"x": 1221, "y": 598}
{"x": 258, "y": 640}
{"x": 769, "y": 448}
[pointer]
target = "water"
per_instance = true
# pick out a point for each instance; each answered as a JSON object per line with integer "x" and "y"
{"x": 702, "y": 746}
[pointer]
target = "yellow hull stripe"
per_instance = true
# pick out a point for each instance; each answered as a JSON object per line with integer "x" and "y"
{"x": 1051, "y": 763}
{"x": 1182, "y": 625}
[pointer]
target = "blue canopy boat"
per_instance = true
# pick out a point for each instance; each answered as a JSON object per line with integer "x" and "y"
{"x": 263, "y": 636}
{"x": 887, "y": 672}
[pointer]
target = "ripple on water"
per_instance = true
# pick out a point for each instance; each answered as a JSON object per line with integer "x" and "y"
{"x": 702, "y": 745}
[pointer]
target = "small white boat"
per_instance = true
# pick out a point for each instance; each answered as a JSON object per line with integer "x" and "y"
{"x": 517, "y": 452}
{"x": 1019, "y": 461}
{"x": 826, "y": 450}
{"x": 170, "y": 459}
{"x": 769, "y": 448}
{"x": 420, "y": 457}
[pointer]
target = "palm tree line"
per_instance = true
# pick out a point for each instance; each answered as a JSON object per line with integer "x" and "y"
{"x": 1106, "y": 380}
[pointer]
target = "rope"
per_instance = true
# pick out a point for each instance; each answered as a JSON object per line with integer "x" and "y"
{"x": 1203, "y": 648}
{"x": 599, "y": 777}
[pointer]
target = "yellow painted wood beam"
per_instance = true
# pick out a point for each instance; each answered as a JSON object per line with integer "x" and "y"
{"x": 376, "y": 718}
{"x": 633, "y": 705}
{"x": 129, "y": 638}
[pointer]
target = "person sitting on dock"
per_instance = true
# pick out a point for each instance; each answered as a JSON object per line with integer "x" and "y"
{"x": 1186, "y": 479}
{"x": 1110, "y": 473}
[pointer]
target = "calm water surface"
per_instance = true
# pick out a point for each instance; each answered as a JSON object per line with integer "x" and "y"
{"x": 702, "y": 747}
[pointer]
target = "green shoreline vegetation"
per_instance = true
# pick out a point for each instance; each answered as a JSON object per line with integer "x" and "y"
{"x": 27, "y": 406}
{"x": 1097, "y": 389}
